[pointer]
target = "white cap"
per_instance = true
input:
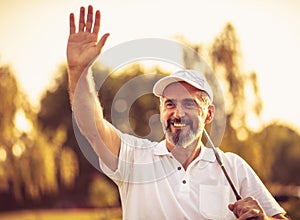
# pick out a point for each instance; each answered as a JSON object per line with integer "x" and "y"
{"x": 191, "y": 77}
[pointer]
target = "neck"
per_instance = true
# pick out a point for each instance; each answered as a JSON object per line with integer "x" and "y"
{"x": 185, "y": 155}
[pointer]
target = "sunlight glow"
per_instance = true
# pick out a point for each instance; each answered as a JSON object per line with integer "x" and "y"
{"x": 2, "y": 154}
{"x": 22, "y": 123}
{"x": 253, "y": 122}
{"x": 18, "y": 149}
{"x": 242, "y": 134}
{"x": 269, "y": 40}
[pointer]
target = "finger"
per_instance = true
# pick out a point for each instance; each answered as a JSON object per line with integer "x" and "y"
{"x": 81, "y": 19}
{"x": 251, "y": 214}
{"x": 97, "y": 22}
{"x": 102, "y": 41}
{"x": 235, "y": 210}
{"x": 72, "y": 24}
{"x": 230, "y": 206}
{"x": 89, "y": 19}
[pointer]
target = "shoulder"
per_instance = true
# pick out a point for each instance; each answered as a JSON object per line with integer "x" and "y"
{"x": 239, "y": 167}
{"x": 135, "y": 142}
{"x": 234, "y": 160}
{"x": 231, "y": 156}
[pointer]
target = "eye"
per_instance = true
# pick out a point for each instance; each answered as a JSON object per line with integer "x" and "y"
{"x": 169, "y": 104}
{"x": 191, "y": 104}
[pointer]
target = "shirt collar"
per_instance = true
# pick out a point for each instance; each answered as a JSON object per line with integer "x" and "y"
{"x": 161, "y": 149}
{"x": 206, "y": 153}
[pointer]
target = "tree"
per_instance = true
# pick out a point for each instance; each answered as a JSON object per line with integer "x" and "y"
{"x": 9, "y": 102}
{"x": 281, "y": 153}
{"x": 30, "y": 160}
{"x": 268, "y": 151}
{"x": 55, "y": 113}
{"x": 238, "y": 89}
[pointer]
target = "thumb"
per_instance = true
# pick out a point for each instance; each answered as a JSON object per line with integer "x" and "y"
{"x": 102, "y": 41}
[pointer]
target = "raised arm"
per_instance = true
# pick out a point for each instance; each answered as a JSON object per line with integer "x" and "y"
{"x": 83, "y": 47}
{"x": 82, "y": 50}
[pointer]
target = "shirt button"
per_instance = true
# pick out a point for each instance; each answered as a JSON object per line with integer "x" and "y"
{"x": 178, "y": 168}
{"x": 171, "y": 157}
{"x": 184, "y": 181}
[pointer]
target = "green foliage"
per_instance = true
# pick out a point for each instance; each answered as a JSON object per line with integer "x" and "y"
{"x": 29, "y": 167}
{"x": 237, "y": 86}
{"x": 281, "y": 153}
{"x": 237, "y": 89}
{"x": 274, "y": 151}
{"x": 55, "y": 113}
{"x": 9, "y": 101}
{"x": 273, "y": 159}
{"x": 102, "y": 193}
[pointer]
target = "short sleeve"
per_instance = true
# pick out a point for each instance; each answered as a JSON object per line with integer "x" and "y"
{"x": 251, "y": 185}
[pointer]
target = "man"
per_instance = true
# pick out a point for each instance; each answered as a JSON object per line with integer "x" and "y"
{"x": 177, "y": 178}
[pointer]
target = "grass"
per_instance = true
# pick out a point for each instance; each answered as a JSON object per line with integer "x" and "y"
{"x": 292, "y": 207}
{"x": 64, "y": 214}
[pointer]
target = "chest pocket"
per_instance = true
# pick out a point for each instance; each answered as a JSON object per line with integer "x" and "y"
{"x": 213, "y": 202}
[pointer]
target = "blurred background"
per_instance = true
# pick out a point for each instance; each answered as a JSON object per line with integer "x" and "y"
{"x": 251, "y": 46}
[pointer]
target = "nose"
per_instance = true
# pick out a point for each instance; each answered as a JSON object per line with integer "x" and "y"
{"x": 179, "y": 111}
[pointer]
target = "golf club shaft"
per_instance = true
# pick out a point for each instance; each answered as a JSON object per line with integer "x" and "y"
{"x": 237, "y": 195}
{"x": 210, "y": 143}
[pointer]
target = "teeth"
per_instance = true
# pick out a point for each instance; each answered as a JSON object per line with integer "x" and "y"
{"x": 179, "y": 124}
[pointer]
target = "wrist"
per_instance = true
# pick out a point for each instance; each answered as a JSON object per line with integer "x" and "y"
{"x": 74, "y": 76}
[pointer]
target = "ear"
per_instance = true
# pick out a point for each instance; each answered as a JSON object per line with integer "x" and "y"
{"x": 160, "y": 105}
{"x": 210, "y": 114}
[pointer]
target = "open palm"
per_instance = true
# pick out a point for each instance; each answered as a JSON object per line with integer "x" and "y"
{"x": 83, "y": 46}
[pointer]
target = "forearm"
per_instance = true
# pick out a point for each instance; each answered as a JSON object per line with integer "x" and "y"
{"x": 80, "y": 79}
{"x": 88, "y": 114}
{"x": 84, "y": 102}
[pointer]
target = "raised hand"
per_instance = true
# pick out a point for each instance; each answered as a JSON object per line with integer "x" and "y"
{"x": 83, "y": 46}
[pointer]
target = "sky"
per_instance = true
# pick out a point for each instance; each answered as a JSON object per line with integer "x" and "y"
{"x": 34, "y": 35}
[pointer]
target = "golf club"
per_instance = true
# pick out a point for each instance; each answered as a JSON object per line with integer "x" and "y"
{"x": 210, "y": 143}
{"x": 212, "y": 146}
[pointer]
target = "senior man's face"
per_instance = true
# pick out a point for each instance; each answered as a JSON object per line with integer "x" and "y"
{"x": 183, "y": 114}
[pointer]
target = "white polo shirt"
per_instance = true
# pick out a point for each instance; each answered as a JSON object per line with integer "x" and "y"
{"x": 154, "y": 185}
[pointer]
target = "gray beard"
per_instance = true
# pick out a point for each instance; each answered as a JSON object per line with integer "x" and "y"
{"x": 179, "y": 139}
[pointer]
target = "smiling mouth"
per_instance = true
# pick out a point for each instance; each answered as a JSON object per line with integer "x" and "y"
{"x": 178, "y": 123}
